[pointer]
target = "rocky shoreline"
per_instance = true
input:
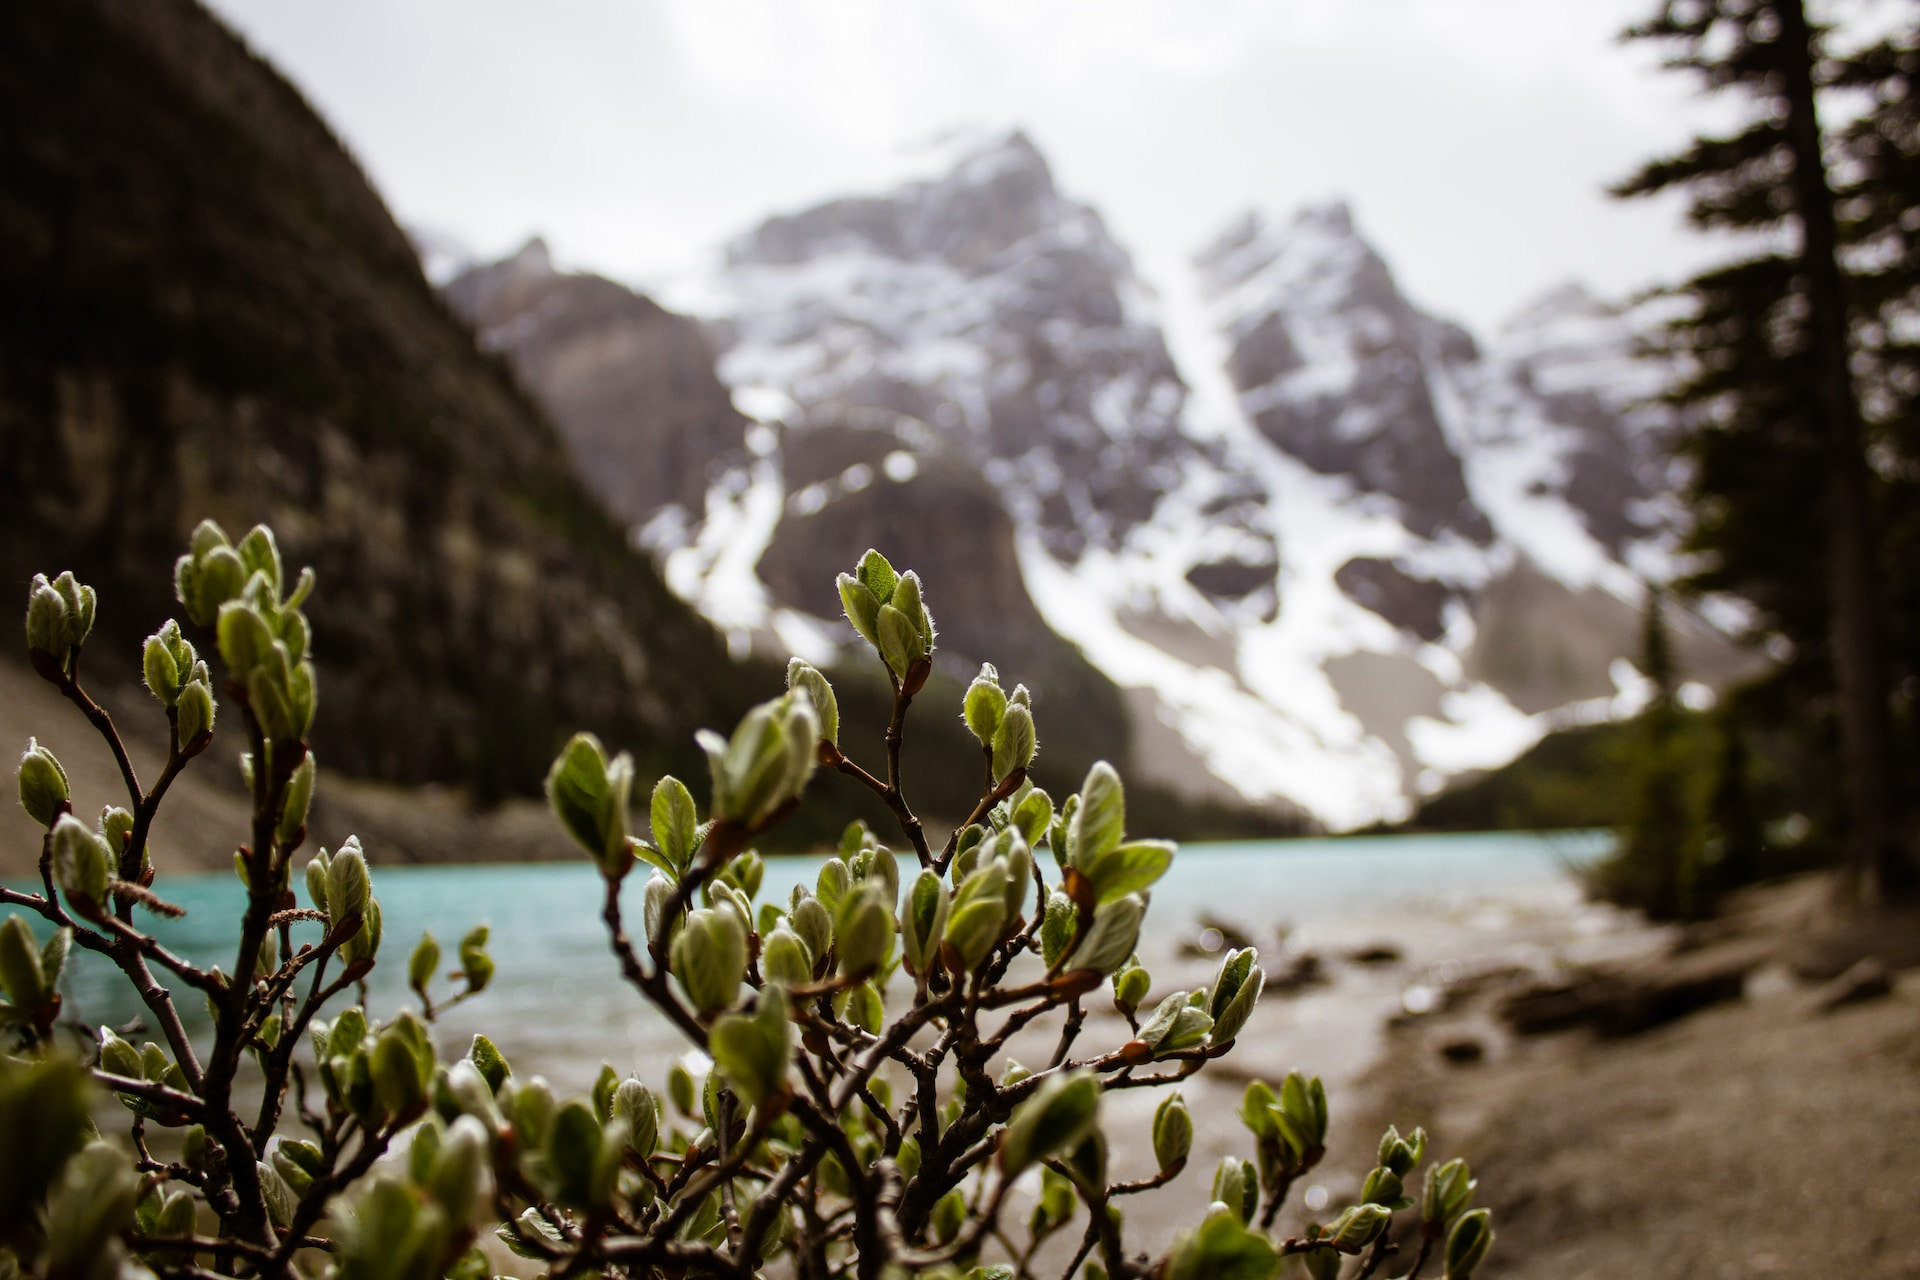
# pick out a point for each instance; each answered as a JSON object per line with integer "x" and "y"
{"x": 1739, "y": 1101}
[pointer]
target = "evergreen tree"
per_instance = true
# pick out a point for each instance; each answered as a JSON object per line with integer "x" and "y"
{"x": 1787, "y": 434}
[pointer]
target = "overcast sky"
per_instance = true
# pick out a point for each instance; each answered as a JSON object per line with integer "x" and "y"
{"x": 1474, "y": 138}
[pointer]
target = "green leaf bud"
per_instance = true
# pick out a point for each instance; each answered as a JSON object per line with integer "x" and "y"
{"x": 531, "y": 1108}
{"x": 296, "y": 1177}
{"x": 784, "y": 958}
{"x": 633, "y": 1104}
{"x": 1172, "y": 1132}
{"x": 1054, "y": 1206}
{"x": 949, "y": 1215}
{"x": 1055, "y": 1119}
{"x": 1176, "y": 1025}
{"x": 1383, "y": 1187}
{"x": 907, "y": 599}
{"x": 864, "y": 1008}
{"x": 81, "y": 864}
{"x": 880, "y": 866}
{"x": 802, "y": 674}
{"x": 1056, "y": 928}
{"x": 765, "y": 764}
{"x": 1126, "y": 868}
{"x": 1448, "y": 1191}
{"x": 985, "y": 705}
{"x": 657, "y": 898}
{"x": 1014, "y": 742}
{"x": 1356, "y": 1228}
{"x": 1113, "y": 936}
{"x": 298, "y": 798}
{"x": 162, "y": 673}
{"x": 422, "y": 964}
{"x": 675, "y": 823}
{"x": 1033, "y": 815}
{"x": 1099, "y": 821}
{"x": 316, "y": 877}
{"x": 923, "y": 921}
{"x": 680, "y": 1089}
{"x": 119, "y": 1058}
{"x": 398, "y": 1083}
{"x": 975, "y": 920}
{"x": 489, "y": 1062}
{"x": 462, "y": 1179}
{"x": 194, "y": 712}
{"x": 752, "y": 1051}
{"x": 247, "y": 643}
{"x": 877, "y": 575}
{"x": 476, "y": 966}
{"x": 1130, "y": 987}
{"x": 53, "y": 955}
{"x": 1222, "y": 1249}
{"x": 176, "y": 1216}
{"x": 349, "y": 887}
{"x": 1236, "y": 989}
{"x": 91, "y": 1200}
{"x": 580, "y": 791}
{"x": 462, "y": 1091}
{"x": 809, "y": 919}
{"x": 863, "y": 930}
{"x": 831, "y": 886}
{"x": 22, "y": 976}
{"x": 1467, "y": 1244}
{"x": 900, "y": 645}
{"x": 861, "y": 606}
{"x": 44, "y": 791}
{"x": 281, "y": 1202}
{"x": 709, "y": 957}
{"x": 1235, "y": 1186}
{"x": 47, "y": 625}
{"x": 573, "y": 1143}
{"x": 260, "y": 554}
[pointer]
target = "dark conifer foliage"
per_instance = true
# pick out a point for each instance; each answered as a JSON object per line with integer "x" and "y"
{"x": 1798, "y": 376}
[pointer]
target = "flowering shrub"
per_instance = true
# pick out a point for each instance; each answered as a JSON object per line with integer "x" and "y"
{"x": 861, "y": 1117}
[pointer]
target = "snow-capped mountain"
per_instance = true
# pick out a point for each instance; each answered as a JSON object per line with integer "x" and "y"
{"x": 1332, "y": 549}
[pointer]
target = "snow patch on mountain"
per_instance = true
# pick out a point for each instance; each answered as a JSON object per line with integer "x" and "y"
{"x": 1312, "y": 523}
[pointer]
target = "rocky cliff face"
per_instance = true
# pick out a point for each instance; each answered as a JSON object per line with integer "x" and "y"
{"x": 206, "y": 310}
{"x": 1331, "y": 549}
{"x": 630, "y": 385}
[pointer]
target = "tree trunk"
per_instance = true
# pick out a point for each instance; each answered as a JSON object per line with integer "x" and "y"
{"x": 1876, "y": 857}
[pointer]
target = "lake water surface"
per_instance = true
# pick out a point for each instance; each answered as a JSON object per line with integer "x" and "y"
{"x": 558, "y": 1006}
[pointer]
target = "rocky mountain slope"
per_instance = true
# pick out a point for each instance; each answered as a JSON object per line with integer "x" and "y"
{"x": 1332, "y": 550}
{"x": 205, "y": 310}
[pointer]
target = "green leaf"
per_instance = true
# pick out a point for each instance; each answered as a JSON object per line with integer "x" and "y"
{"x": 577, "y": 791}
{"x": 675, "y": 823}
{"x": 1172, "y": 1132}
{"x": 984, "y": 705}
{"x": 1127, "y": 868}
{"x": 862, "y": 608}
{"x": 22, "y": 973}
{"x": 1100, "y": 820}
{"x": 877, "y": 575}
{"x": 1053, "y": 1120}
{"x": 752, "y": 1052}
{"x": 422, "y": 963}
{"x": 1113, "y": 936}
{"x": 1222, "y": 1249}
{"x": 900, "y": 644}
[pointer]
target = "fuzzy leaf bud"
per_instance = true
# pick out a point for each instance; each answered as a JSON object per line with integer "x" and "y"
{"x": 825, "y": 705}
{"x": 1014, "y": 742}
{"x": 1055, "y": 1119}
{"x": 985, "y": 705}
{"x": 81, "y": 864}
{"x": 1468, "y": 1242}
{"x": 1172, "y": 1132}
{"x": 44, "y": 791}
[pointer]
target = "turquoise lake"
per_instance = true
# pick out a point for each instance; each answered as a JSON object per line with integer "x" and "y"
{"x": 558, "y": 1005}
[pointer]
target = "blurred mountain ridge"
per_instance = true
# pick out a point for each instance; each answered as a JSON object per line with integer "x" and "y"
{"x": 206, "y": 310}
{"x": 1407, "y": 553}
